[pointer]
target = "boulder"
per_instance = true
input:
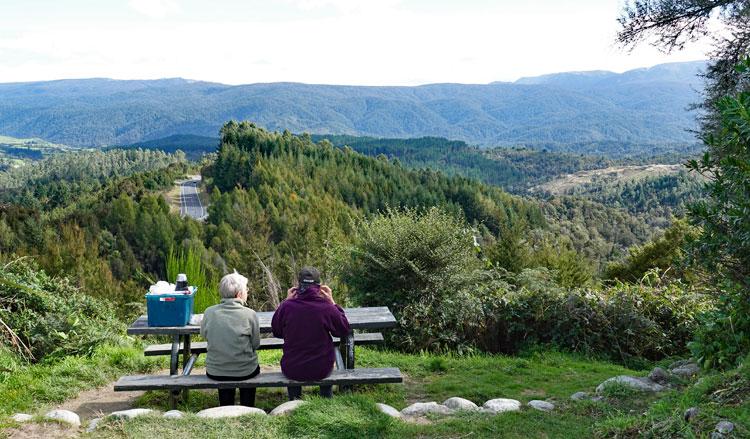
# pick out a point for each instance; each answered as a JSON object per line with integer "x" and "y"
{"x": 173, "y": 414}
{"x": 388, "y": 410}
{"x": 229, "y": 411}
{"x": 690, "y": 413}
{"x": 635, "y": 383}
{"x": 500, "y": 405}
{"x": 65, "y": 416}
{"x": 688, "y": 370}
{"x": 21, "y": 417}
{"x": 92, "y": 424}
{"x": 287, "y": 407}
{"x": 680, "y": 363}
{"x": 423, "y": 408}
{"x": 580, "y": 396}
{"x": 544, "y": 406}
{"x": 724, "y": 427}
{"x": 659, "y": 375}
{"x": 456, "y": 403}
{"x": 130, "y": 414}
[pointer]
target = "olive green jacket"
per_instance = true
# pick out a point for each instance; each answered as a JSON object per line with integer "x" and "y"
{"x": 233, "y": 335}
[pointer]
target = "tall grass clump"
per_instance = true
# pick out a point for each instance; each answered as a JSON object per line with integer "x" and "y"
{"x": 189, "y": 261}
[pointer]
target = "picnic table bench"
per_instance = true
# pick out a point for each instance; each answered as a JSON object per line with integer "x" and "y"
{"x": 359, "y": 319}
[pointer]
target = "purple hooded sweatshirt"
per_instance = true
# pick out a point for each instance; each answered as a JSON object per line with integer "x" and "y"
{"x": 306, "y": 324}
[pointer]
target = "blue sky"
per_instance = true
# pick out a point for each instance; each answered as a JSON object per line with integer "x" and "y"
{"x": 374, "y": 42}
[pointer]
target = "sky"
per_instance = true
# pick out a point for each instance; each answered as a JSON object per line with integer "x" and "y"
{"x": 358, "y": 42}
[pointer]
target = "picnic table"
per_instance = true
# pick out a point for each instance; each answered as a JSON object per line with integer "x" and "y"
{"x": 368, "y": 318}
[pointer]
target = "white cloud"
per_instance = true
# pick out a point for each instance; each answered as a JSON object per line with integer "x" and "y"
{"x": 347, "y": 6}
{"x": 365, "y": 46}
{"x": 154, "y": 8}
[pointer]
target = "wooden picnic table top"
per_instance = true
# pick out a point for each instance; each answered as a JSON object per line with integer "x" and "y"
{"x": 359, "y": 318}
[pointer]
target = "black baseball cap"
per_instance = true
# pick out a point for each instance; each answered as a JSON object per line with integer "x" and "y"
{"x": 308, "y": 276}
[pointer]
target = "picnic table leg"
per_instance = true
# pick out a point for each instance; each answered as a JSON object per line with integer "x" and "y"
{"x": 346, "y": 351}
{"x": 185, "y": 357}
{"x": 339, "y": 360}
{"x": 173, "y": 365}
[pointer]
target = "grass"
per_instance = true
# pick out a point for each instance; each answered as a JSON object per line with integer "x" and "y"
{"x": 548, "y": 375}
{"x": 428, "y": 377}
{"x": 26, "y": 387}
{"x": 351, "y": 416}
{"x": 718, "y": 396}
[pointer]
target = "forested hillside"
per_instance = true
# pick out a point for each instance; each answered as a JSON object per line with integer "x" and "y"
{"x": 278, "y": 198}
{"x": 15, "y": 152}
{"x": 645, "y": 109}
{"x": 601, "y": 216}
{"x": 280, "y": 201}
{"x": 284, "y": 200}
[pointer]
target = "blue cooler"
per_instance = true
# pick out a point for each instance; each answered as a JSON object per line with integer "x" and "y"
{"x": 174, "y": 309}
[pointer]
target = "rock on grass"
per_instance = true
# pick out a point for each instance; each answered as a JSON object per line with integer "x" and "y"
{"x": 659, "y": 375}
{"x": 173, "y": 414}
{"x": 21, "y": 417}
{"x": 457, "y": 403}
{"x": 65, "y": 416}
{"x": 229, "y": 411}
{"x": 388, "y": 410}
{"x": 688, "y": 370}
{"x": 287, "y": 407}
{"x": 635, "y": 383}
{"x": 93, "y": 424}
{"x": 130, "y": 414}
{"x": 500, "y": 405}
{"x": 423, "y": 408}
{"x": 544, "y": 406}
{"x": 580, "y": 396}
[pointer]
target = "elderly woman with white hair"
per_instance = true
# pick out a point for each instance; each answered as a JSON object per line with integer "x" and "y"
{"x": 233, "y": 335}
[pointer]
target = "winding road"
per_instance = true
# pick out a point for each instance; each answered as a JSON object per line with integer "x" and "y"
{"x": 190, "y": 202}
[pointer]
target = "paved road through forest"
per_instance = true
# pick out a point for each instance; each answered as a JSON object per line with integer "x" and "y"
{"x": 190, "y": 203}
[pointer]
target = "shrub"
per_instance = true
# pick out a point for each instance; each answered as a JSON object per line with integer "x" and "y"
{"x": 421, "y": 264}
{"x": 51, "y": 316}
{"x": 622, "y": 322}
{"x": 723, "y": 246}
{"x": 724, "y": 334}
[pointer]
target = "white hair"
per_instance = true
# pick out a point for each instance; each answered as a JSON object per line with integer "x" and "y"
{"x": 232, "y": 284}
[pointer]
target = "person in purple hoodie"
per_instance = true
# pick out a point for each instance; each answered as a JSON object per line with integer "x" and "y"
{"x": 306, "y": 320}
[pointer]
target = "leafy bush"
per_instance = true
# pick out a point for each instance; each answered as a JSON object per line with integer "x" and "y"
{"x": 50, "y": 316}
{"x": 724, "y": 334}
{"x": 423, "y": 266}
{"x": 664, "y": 252}
{"x": 622, "y": 322}
{"x": 724, "y": 244}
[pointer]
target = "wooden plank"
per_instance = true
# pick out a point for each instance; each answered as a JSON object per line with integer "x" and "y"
{"x": 269, "y": 379}
{"x": 265, "y": 343}
{"x": 359, "y": 318}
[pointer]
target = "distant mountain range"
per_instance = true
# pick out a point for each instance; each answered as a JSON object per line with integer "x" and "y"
{"x": 643, "y": 106}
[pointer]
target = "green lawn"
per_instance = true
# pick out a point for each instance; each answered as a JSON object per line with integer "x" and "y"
{"x": 546, "y": 375}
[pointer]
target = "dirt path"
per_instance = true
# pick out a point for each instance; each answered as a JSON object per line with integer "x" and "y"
{"x": 95, "y": 403}
{"x": 91, "y": 404}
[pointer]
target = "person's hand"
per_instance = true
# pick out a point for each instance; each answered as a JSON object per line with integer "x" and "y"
{"x": 325, "y": 290}
{"x": 291, "y": 293}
